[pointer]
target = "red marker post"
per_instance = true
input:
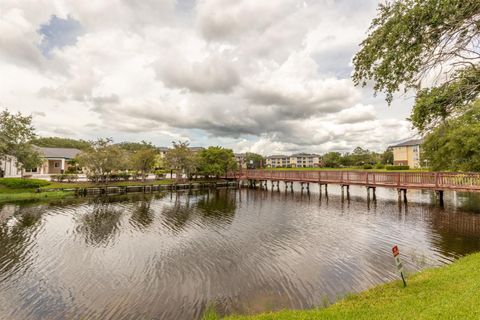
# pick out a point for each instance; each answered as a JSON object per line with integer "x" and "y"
{"x": 396, "y": 255}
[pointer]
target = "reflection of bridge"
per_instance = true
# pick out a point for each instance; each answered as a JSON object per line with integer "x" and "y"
{"x": 436, "y": 181}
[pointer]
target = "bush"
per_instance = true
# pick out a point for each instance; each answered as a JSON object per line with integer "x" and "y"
{"x": 64, "y": 177}
{"x": 367, "y": 166}
{"x": 160, "y": 174}
{"x": 379, "y": 166}
{"x": 19, "y": 183}
{"x": 397, "y": 167}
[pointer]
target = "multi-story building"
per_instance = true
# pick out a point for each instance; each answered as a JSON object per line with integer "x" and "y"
{"x": 298, "y": 160}
{"x": 241, "y": 160}
{"x": 277, "y": 161}
{"x": 407, "y": 153}
{"x": 304, "y": 160}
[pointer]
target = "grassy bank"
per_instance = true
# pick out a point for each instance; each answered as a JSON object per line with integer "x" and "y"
{"x": 19, "y": 195}
{"x": 21, "y": 189}
{"x": 449, "y": 292}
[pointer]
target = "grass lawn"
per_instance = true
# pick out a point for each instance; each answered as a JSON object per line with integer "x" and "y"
{"x": 449, "y": 292}
{"x": 9, "y": 194}
{"x": 71, "y": 185}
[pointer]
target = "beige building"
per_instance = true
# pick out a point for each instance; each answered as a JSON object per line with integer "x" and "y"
{"x": 8, "y": 168}
{"x": 407, "y": 153}
{"x": 55, "y": 160}
{"x": 304, "y": 160}
{"x": 277, "y": 161}
{"x": 298, "y": 160}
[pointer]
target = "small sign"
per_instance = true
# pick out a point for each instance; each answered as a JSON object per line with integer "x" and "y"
{"x": 396, "y": 255}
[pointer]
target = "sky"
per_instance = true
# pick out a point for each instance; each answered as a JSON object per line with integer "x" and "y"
{"x": 272, "y": 77}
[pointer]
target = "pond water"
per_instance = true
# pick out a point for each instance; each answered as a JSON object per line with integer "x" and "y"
{"x": 169, "y": 255}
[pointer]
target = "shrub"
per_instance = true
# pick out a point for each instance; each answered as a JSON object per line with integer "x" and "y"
{"x": 397, "y": 167}
{"x": 160, "y": 174}
{"x": 57, "y": 177}
{"x": 64, "y": 177}
{"x": 379, "y": 166}
{"x": 71, "y": 177}
{"x": 367, "y": 166}
{"x": 19, "y": 183}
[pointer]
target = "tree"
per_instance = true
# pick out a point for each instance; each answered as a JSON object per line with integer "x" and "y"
{"x": 143, "y": 159}
{"x": 332, "y": 159}
{"x": 101, "y": 159}
{"x": 16, "y": 135}
{"x": 181, "y": 159}
{"x": 58, "y": 142}
{"x": 387, "y": 157}
{"x": 216, "y": 161}
{"x": 412, "y": 41}
{"x": 455, "y": 145}
{"x": 254, "y": 160}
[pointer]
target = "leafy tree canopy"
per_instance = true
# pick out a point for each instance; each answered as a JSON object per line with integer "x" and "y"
{"x": 455, "y": 145}
{"x": 102, "y": 158}
{"x": 181, "y": 158}
{"x": 254, "y": 160}
{"x": 216, "y": 161}
{"x": 413, "y": 41}
{"x": 16, "y": 135}
{"x": 58, "y": 142}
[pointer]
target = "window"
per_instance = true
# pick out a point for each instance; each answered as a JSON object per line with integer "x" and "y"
{"x": 56, "y": 164}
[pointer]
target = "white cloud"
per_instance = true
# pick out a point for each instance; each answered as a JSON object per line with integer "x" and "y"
{"x": 269, "y": 77}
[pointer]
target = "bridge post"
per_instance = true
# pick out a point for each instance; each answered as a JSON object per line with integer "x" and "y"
{"x": 439, "y": 195}
{"x": 308, "y": 186}
{"x": 400, "y": 191}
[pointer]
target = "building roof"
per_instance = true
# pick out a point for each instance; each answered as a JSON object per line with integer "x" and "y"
{"x": 277, "y": 156}
{"x": 413, "y": 142}
{"x": 303, "y": 154}
{"x": 67, "y": 153}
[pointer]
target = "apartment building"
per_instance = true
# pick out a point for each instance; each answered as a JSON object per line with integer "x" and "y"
{"x": 278, "y": 161}
{"x": 407, "y": 153}
{"x": 298, "y": 160}
{"x": 305, "y": 160}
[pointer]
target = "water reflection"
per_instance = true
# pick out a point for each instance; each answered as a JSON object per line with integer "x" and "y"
{"x": 169, "y": 255}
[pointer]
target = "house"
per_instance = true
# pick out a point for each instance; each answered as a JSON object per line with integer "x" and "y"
{"x": 407, "y": 153}
{"x": 162, "y": 151}
{"x": 55, "y": 160}
{"x": 278, "y": 161}
{"x": 241, "y": 159}
{"x": 304, "y": 160}
{"x": 8, "y": 168}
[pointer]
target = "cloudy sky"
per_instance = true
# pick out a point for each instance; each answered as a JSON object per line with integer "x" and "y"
{"x": 252, "y": 75}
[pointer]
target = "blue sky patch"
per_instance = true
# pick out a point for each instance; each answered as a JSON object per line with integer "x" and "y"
{"x": 58, "y": 33}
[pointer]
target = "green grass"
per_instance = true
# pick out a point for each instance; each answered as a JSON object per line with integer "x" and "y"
{"x": 72, "y": 185}
{"x": 19, "y": 195}
{"x": 449, "y": 292}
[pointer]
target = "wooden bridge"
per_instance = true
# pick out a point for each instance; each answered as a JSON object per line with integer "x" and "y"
{"x": 435, "y": 181}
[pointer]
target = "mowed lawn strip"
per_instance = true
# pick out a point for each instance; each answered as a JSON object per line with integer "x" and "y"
{"x": 449, "y": 292}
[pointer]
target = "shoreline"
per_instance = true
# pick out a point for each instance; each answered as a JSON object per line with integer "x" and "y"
{"x": 446, "y": 292}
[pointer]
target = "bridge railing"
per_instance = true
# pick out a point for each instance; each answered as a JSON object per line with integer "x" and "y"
{"x": 440, "y": 180}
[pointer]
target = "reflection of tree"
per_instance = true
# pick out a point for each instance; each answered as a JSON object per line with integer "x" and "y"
{"x": 177, "y": 216}
{"x": 102, "y": 224}
{"x": 218, "y": 207}
{"x": 212, "y": 207}
{"x": 142, "y": 215}
{"x": 16, "y": 235}
{"x": 459, "y": 233}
